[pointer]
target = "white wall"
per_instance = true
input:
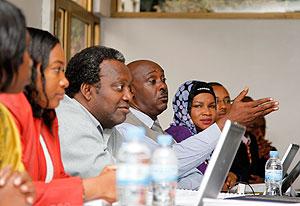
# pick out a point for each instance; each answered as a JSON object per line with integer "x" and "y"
{"x": 261, "y": 54}
{"x": 32, "y": 10}
{"x": 38, "y": 13}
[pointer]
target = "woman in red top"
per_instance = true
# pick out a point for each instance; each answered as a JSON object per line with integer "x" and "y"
{"x": 36, "y": 119}
{"x": 16, "y": 187}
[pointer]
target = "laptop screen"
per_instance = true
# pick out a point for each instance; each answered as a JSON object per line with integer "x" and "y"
{"x": 289, "y": 180}
{"x": 221, "y": 160}
{"x": 288, "y": 157}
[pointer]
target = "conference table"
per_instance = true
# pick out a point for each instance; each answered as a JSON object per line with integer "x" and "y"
{"x": 191, "y": 198}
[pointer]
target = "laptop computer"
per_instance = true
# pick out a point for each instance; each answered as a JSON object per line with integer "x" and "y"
{"x": 286, "y": 162}
{"x": 286, "y": 183}
{"x": 290, "y": 179}
{"x": 221, "y": 161}
{"x": 288, "y": 157}
{"x": 218, "y": 168}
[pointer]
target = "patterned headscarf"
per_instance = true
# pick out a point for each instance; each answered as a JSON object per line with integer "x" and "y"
{"x": 182, "y": 102}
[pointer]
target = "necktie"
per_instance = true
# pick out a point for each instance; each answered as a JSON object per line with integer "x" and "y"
{"x": 249, "y": 153}
{"x": 156, "y": 127}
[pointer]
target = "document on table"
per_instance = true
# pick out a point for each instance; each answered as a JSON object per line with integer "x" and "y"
{"x": 97, "y": 203}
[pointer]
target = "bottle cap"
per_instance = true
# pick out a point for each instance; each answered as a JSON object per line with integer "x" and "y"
{"x": 164, "y": 140}
{"x": 274, "y": 154}
{"x": 134, "y": 133}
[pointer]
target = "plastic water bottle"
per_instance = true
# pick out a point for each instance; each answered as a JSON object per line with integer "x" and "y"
{"x": 133, "y": 169}
{"x": 164, "y": 172}
{"x": 273, "y": 175}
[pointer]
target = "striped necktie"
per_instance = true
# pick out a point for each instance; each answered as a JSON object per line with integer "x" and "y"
{"x": 156, "y": 127}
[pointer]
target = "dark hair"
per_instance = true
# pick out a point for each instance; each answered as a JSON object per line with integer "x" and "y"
{"x": 84, "y": 67}
{"x": 12, "y": 42}
{"x": 215, "y": 84}
{"x": 42, "y": 42}
{"x": 197, "y": 88}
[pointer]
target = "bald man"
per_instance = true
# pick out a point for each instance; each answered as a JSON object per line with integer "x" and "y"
{"x": 150, "y": 100}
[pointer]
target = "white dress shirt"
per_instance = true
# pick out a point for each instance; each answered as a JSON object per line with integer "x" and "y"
{"x": 190, "y": 153}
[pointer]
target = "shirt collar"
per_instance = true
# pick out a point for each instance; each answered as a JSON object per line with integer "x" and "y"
{"x": 142, "y": 117}
{"x": 93, "y": 119}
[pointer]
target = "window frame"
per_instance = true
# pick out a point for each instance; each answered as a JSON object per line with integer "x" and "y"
{"x": 202, "y": 15}
{"x": 72, "y": 9}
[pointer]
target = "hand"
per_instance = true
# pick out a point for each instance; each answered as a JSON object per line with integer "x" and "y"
{"x": 108, "y": 178}
{"x": 16, "y": 188}
{"x": 245, "y": 112}
{"x": 101, "y": 187}
{"x": 4, "y": 175}
{"x": 23, "y": 181}
{"x": 255, "y": 179}
{"x": 230, "y": 181}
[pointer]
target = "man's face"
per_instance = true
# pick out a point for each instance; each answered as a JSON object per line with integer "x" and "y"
{"x": 258, "y": 128}
{"x": 150, "y": 89}
{"x": 110, "y": 99}
{"x": 223, "y": 101}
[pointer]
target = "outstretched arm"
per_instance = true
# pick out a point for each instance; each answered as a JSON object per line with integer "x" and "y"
{"x": 245, "y": 112}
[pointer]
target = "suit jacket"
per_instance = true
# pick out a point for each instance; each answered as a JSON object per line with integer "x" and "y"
{"x": 241, "y": 164}
{"x": 116, "y": 139}
{"x": 83, "y": 141}
{"x": 132, "y": 119}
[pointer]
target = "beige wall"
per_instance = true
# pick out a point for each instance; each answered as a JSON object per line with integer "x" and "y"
{"x": 39, "y": 13}
{"x": 32, "y": 9}
{"x": 261, "y": 54}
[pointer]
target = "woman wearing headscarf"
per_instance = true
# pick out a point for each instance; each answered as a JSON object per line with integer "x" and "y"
{"x": 194, "y": 106}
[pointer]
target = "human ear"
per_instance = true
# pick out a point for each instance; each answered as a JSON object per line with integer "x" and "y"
{"x": 86, "y": 91}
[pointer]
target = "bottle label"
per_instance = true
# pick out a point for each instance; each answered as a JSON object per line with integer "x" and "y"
{"x": 273, "y": 175}
{"x": 133, "y": 174}
{"x": 164, "y": 173}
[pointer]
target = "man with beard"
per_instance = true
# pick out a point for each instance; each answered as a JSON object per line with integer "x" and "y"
{"x": 150, "y": 99}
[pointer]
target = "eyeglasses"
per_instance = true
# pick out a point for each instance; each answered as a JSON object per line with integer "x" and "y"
{"x": 225, "y": 101}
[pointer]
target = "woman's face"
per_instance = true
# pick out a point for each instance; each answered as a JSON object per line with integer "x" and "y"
{"x": 55, "y": 80}
{"x": 203, "y": 110}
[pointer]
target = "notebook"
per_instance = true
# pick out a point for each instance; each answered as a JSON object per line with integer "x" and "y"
{"x": 221, "y": 161}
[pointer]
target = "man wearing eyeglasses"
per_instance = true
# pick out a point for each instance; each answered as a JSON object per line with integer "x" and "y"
{"x": 223, "y": 99}
{"x": 246, "y": 157}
